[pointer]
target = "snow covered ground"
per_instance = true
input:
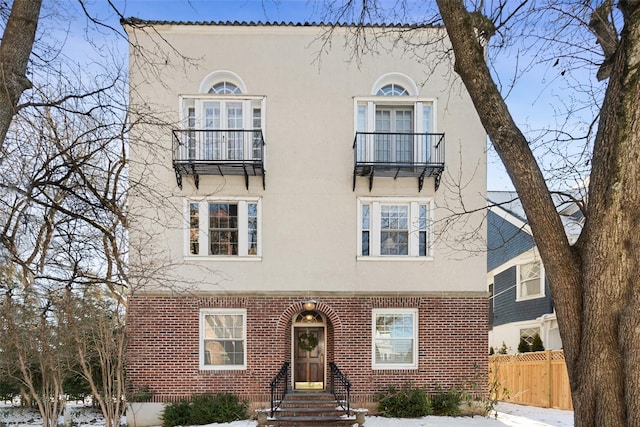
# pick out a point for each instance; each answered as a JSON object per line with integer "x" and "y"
{"x": 509, "y": 415}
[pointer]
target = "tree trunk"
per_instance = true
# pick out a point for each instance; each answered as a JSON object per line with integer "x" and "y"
{"x": 15, "y": 49}
{"x": 594, "y": 285}
{"x": 607, "y": 393}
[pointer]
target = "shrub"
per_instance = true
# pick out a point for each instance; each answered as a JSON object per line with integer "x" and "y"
{"x": 205, "y": 409}
{"x": 523, "y": 346}
{"x": 446, "y": 403}
{"x": 537, "y": 345}
{"x": 176, "y": 414}
{"x": 503, "y": 349}
{"x": 406, "y": 402}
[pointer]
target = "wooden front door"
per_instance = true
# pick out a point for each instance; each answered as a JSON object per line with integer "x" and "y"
{"x": 309, "y": 358}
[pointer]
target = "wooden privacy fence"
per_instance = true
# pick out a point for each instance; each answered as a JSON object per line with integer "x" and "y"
{"x": 536, "y": 379}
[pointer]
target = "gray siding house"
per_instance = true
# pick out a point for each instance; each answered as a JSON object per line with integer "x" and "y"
{"x": 521, "y": 304}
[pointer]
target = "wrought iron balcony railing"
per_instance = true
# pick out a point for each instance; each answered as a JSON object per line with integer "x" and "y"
{"x": 218, "y": 152}
{"x": 395, "y": 154}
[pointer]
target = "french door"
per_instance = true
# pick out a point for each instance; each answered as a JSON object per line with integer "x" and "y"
{"x": 225, "y": 120}
{"x": 394, "y": 147}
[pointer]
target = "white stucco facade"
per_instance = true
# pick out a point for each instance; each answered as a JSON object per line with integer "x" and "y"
{"x": 308, "y": 93}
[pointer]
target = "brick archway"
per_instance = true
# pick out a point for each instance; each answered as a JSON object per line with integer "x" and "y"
{"x": 287, "y": 315}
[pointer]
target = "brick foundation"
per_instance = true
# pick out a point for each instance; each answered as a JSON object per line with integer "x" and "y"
{"x": 162, "y": 350}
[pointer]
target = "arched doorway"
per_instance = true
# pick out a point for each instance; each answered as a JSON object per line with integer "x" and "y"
{"x": 309, "y": 342}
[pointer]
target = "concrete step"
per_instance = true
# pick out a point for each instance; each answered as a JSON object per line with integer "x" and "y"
{"x": 308, "y": 395}
{"x": 309, "y": 403}
{"x": 311, "y": 421}
{"x": 316, "y": 412}
{"x": 317, "y": 409}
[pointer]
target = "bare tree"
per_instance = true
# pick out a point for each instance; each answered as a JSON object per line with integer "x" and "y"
{"x": 64, "y": 215}
{"x": 594, "y": 282}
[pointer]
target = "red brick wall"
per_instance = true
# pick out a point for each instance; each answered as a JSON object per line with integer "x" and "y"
{"x": 163, "y": 344}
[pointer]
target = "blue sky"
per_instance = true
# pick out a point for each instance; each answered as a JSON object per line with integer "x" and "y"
{"x": 221, "y": 10}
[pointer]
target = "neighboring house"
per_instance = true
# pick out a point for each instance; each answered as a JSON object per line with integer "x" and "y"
{"x": 297, "y": 210}
{"x": 521, "y": 305}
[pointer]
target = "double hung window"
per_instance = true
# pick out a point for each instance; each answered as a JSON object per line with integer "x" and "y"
{"x": 530, "y": 280}
{"x": 223, "y": 335}
{"x": 224, "y": 227}
{"x": 395, "y": 338}
{"x": 394, "y": 228}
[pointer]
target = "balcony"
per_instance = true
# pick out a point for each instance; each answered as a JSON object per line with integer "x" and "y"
{"x": 387, "y": 154}
{"x": 222, "y": 152}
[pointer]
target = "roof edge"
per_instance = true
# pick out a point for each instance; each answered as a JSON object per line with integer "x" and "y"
{"x": 137, "y": 22}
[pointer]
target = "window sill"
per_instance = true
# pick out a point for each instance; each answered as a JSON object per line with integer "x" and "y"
{"x": 393, "y": 258}
{"x": 394, "y": 368}
{"x": 224, "y": 368}
{"x": 252, "y": 258}
{"x": 529, "y": 298}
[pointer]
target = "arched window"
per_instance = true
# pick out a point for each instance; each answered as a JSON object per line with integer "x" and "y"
{"x": 225, "y": 88}
{"x": 392, "y": 89}
{"x": 394, "y": 84}
{"x": 223, "y": 82}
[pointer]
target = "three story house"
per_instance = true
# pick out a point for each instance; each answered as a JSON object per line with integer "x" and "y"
{"x": 302, "y": 209}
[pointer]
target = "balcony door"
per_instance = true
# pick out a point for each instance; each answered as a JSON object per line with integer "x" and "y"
{"x": 222, "y": 122}
{"x": 394, "y": 147}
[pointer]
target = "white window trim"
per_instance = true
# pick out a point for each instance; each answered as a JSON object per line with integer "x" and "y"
{"x": 395, "y": 78}
{"x": 415, "y": 101}
{"x": 375, "y": 230}
{"x": 249, "y": 102}
{"x": 218, "y": 76}
{"x": 519, "y": 296}
{"x": 203, "y": 235}
{"x": 223, "y": 311}
{"x": 394, "y": 366}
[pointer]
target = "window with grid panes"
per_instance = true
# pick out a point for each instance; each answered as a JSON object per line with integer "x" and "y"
{"x": 393, "y": 228}
{"x": 530, "y": 280}
{"x": 395, "y": 338}
{"x": 223, "y": 339}
{"x": 221, "y": 228}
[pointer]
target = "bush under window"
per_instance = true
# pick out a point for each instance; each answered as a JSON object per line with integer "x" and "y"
{"x": 205, "y": 409}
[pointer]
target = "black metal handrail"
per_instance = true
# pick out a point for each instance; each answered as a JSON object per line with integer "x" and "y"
{"x": 218, "y": 145}
{"x": 340, "y": 387}
{"x": 279, "y": 387}
{"x": 399, "y": 148}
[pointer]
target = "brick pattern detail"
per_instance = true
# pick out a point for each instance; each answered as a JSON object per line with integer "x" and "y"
{"x": 163, "y": 347}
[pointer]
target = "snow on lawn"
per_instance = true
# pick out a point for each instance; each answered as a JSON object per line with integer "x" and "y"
{"x": 509, "y": 415}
